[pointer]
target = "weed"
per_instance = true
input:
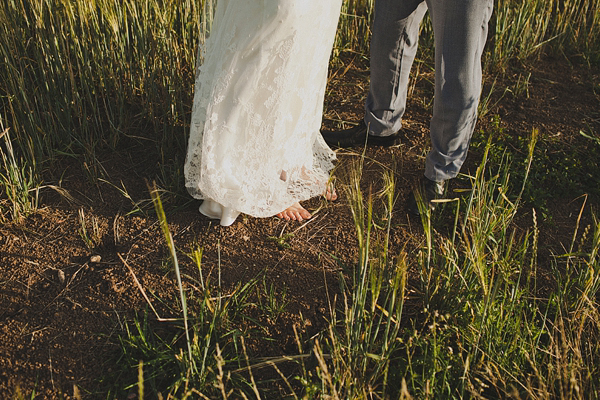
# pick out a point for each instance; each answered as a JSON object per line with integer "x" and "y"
{"x": 282, "y": 241}
{"x": 275, "y": 303}
{"x": 17, "y": 182}
{"x": 93, "y": 238}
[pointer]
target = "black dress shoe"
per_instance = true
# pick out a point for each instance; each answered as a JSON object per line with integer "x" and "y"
{"x": 428, "y": 192}
{"x": 357, "y": 136}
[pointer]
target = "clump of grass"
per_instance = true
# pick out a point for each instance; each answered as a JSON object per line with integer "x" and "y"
{"x": 487, "y": 329}
{"x": 356, "y": 352}
{"x": 484, "y": 306}
{"x": 18, "y": 188}
{"x": 524, "y": 29}
{"x": 568, "y": 171}
{"x": 272, "y": 301}
{"x": 91, "y": 237}
{"x": 195, "y": 353}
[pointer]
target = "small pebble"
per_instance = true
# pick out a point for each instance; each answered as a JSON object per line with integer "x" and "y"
{"x": 61, "y": 276}
{"x": 95, "y": 259}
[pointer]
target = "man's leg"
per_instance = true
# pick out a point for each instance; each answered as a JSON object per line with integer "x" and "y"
{"x": 460, "y": 29}
{"x": 393, "y": 49}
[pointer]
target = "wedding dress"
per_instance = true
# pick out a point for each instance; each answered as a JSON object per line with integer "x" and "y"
{"x": 254, "y": 143}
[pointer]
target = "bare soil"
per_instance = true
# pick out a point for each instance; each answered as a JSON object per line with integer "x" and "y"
{"x": 64, "y": 301}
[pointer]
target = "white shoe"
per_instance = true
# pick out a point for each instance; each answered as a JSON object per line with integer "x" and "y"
{"x": 228, "y": 216}
{"x": 214, "y": 210}
{"x": 211, "y": 209}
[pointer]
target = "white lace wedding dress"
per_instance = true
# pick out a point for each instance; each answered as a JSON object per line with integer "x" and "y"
{"x": 254, "y": 143}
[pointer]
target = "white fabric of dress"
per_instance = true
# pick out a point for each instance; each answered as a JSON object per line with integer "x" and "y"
{"x": 254, "y": 143}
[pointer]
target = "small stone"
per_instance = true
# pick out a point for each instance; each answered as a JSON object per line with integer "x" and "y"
{"x": 95, "y": 258}
{"x": 61, "y": 276}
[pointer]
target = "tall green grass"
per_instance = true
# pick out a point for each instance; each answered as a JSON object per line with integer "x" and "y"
{"x": 18, "y": 187}
{"x": 190, "y": 354}
{"x": 78, "y": 77}
{"x": 524, "y": 29}
{"x": 356, "y": 354}
{"x": 354, "y": 29}
{"x": 490, "y": 323}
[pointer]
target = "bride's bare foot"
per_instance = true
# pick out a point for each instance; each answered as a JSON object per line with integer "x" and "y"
{"x": 330, "y": 194}
{"x": 295, "y": 212}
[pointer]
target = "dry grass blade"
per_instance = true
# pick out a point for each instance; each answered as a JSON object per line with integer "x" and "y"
{"x": 143, "y": 292}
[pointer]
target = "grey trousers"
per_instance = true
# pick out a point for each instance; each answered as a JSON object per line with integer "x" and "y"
{"x": 460, "y": 33}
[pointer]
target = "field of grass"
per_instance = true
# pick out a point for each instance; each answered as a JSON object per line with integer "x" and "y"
{"x": 80, "y": 78}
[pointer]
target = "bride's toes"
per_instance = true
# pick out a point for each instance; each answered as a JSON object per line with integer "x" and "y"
{"x": 295, "y": 212}
{"x": 331, "y": 194}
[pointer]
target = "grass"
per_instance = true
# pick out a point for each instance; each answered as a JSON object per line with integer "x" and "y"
{"x": 79, "y": 77}
{"x": 485, "y": 329}
{"x": 189, "y": 355}
{"x": 18, "y": 186}
{"x": 524, "y": 29}
{"x": 490, "y": 322}
{"x": 566, "y": 169}
{"x": 356, "y": 353}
